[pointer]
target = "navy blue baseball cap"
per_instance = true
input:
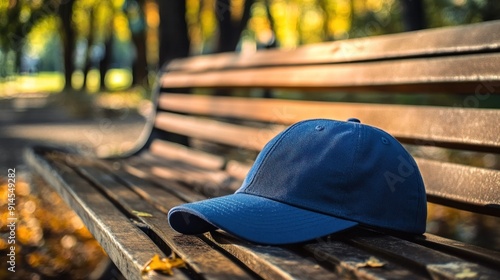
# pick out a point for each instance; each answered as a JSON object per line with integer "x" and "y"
{"x": 315, "y": 178}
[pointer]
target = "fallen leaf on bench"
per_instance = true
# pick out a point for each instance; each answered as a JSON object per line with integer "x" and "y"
{"x": 164, "y": 265}
{"x": 141, "y": 214}
{"x": 466, "y": 273}
{"x": 371, "y": 262}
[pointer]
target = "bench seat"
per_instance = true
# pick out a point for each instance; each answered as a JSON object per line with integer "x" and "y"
{"x": 214, "y": 114}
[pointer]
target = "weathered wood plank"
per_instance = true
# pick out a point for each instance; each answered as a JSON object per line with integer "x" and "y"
{"x": 414, "y": 75}
{"x": 464, "y": 250}
{"x": 200, "y": 257}
{"x": 214, "y": 182}
{"x": 467, "y": 129}
{"x": 178, "y": 152}
{"x": 349, "y": 261}
{"x": 128, "y": 247}
{"x": 267, "y": 262}
{"x": 481, "y": 37}
{"x": 271, "y": 262}
{"x": 464, "y": 187}
{"x": 215, "y": 131}
{"x": 439, "y": 265}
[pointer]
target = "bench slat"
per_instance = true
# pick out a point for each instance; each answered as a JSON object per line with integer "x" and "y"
{"x": 271, "y": 263}
{"x": 468, "y": 129}
{"x": 175, "y": 152}
{"x": 412, "y": 75}
{"x": 349, "y": 259}
{"x": 464, "y": 187}
{"x": 181, "y": 153}
{"x": 200, "y": 256}
{"x": 204, "y": 180}
{"x": 443, "y": 41}
{"x": 215, "y": 131}
{"x": 439, "y": 265}
{"x": 107, "y": 224}
{"x": 466, "y": 250}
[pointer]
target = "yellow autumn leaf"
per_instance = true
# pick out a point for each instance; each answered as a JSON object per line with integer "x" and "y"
{"x": 164, "y": 265}
{"x": 371, "y": 262}
{"x": 466, "y": 273}
{"x": 141, "y": 214}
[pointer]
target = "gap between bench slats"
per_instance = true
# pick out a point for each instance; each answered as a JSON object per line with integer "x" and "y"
{"x": 413, "y": 75}
{"x": 440, "y": 126}
{"x": 442, "y": 41}
{"x": 107, "y": 224}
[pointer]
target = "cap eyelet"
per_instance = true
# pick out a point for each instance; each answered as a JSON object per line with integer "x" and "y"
{"x": 319, "y": 127}
{"x": 384, "y": 141}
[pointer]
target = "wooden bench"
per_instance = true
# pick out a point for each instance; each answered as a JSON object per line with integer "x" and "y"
{"x": 229, "y": 115}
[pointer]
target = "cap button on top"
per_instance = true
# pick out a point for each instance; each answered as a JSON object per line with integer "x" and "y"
{"x": 353, "y": 120}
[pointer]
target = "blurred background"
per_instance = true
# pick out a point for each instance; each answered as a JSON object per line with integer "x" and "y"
{"x": 79, "y": 73}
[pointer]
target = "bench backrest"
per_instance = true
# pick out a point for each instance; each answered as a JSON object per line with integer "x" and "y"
{"x": 222, "y": 102}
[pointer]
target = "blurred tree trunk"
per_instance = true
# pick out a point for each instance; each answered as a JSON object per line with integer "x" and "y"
{"x": 174, "y": 43}
{"x": 140, "y": 66}
{"x": 105, "y": 63}
{"x": 88, "y": 53}
{"x": 413, "y": 14}
{"x": 68, "y": 38}
{"x": 137, "y": 25}
{"x": 174, "y": 37}
{"x": 491, "y": 11}
{"x": 226, "y": 26}
{"x": 326, "y": 21}
{"x": 230, "y": 30}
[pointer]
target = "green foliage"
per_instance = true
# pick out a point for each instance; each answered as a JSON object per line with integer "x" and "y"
{"x": 33, "y": 26}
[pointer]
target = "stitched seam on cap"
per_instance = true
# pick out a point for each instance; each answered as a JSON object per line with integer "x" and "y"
{"x": 249, "y": 187}
{"x": 356, "y": 152}
{"x": 420, "y": 180}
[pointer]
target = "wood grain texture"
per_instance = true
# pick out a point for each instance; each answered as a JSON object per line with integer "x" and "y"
{"x": 178, "y": 152}
{"x": 471, "y": 252}
{"x": 271, "y": 262}
{"x": 464, "y": 187}
{"x": 348, "y": 260}
{"x": 438, "y": 264}
{"x": 482, "y": 37}
{"x": 427, "y": 125}
{"x": 413, "y": 75}
{"x": 128, "y": 247}
{"x": 198, "y": 255}
{"x": 216, "y": 131}
{"x": 265, "y": 261}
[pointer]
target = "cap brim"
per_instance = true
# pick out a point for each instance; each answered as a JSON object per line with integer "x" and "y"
{"x": 254, "y": 218}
